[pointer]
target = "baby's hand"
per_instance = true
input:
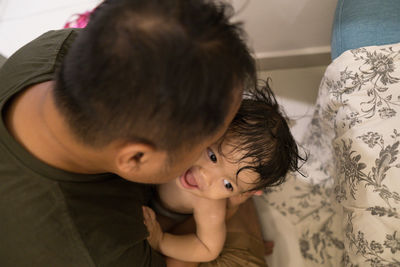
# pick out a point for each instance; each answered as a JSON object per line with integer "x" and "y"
{"x": 154, "y": 228}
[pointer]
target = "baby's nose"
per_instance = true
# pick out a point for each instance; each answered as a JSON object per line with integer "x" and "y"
{"x": 206, "y": 179}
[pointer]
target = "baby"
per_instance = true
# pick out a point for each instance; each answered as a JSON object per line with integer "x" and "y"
{"x": 256, "y": 152}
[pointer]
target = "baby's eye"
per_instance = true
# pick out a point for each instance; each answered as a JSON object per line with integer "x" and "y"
{"x": 211, "y": 155}
{"x": 228, "y": 185}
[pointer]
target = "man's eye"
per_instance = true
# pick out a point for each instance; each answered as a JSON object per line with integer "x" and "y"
{"x": 211, "y": 155}
{"x": 228, "y": 185}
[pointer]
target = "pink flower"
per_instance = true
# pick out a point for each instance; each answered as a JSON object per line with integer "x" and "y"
{"x": 78, "y": 20}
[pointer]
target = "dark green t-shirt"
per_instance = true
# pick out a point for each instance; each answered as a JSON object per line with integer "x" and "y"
{"x": 49, "y": 217}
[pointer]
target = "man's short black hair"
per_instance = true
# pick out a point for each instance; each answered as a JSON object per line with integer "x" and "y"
{"x": 163, "y": 72}
{"x": 261, "y": 132}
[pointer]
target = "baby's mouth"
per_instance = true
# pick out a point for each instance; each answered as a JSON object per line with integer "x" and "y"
{"x": 188, "y": 180}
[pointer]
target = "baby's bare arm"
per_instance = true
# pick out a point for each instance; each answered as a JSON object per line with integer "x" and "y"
{"x": 207, "y": 242}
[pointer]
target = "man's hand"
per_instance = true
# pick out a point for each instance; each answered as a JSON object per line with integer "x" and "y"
{"x": 154, "y": 228}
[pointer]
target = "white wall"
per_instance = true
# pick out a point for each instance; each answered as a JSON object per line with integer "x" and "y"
{"x": 287, "y": 27}
{"x": 23, "y": 20}
{"x": 275, "y": 27}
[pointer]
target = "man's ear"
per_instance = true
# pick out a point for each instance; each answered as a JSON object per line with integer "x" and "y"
{"x": 132, "y": 156}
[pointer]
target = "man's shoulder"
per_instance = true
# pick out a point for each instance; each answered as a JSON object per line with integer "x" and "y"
{"x": 36, "y": 61}
{"x": 48, "y": 44}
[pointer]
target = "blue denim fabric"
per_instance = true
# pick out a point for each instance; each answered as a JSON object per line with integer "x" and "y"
{"x": 359, "y": 23}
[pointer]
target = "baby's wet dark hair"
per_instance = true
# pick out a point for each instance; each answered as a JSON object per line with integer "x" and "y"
{"x": 261, "y": 133}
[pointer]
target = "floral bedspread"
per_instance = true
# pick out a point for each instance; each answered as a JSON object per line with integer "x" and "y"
{"x": 346, "y": 208}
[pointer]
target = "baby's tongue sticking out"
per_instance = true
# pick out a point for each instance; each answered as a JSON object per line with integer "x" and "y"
{"x": 190, "y": 179}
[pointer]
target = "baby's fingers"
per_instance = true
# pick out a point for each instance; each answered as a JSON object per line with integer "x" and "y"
{"x": 146, "y": 217}
{"x": 153, "y": 227}
{"x": 151, "y": 213}
{"x": 149, "y": 216}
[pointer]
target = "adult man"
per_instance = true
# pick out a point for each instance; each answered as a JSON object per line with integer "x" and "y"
{"x": 125, "y": 97}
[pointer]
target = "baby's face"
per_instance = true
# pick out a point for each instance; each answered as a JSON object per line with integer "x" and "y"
{"x": 214, "y": 176}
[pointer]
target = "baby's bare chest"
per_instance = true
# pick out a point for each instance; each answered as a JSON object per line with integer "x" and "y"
{"x": 175, "y": 199}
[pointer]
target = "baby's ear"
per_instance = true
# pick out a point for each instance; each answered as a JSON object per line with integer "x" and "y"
{"x": 257, "y": 192}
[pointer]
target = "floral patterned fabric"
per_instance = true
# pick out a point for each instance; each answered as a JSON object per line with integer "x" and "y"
{"x": 346, "y": 208}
